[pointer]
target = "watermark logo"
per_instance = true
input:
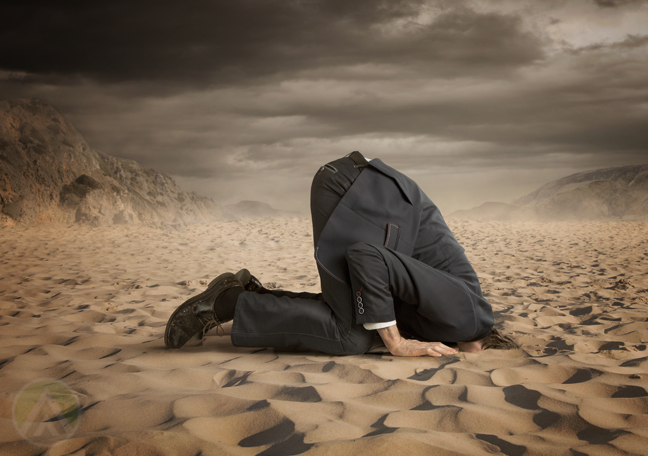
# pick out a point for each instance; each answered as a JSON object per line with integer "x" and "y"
{"x": 46, "y": 411}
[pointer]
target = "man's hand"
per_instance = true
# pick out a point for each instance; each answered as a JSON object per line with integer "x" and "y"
{"x": 406, "y": 347}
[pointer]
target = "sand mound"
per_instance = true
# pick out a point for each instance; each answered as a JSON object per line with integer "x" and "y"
{"x": 88, "y": 306}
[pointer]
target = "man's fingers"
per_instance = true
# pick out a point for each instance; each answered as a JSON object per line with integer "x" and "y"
{"x": 441, "y": 349}
{"x": 448, "y": 350}
{"x": 417, "y": 348}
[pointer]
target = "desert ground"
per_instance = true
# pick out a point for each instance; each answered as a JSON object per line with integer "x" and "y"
{"x": 88, "y": 307}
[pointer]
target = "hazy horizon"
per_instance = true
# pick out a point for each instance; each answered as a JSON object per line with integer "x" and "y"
{"x": 475, "y": 100}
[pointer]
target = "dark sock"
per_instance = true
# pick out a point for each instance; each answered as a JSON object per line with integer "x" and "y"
{"x": 226, "y": 303}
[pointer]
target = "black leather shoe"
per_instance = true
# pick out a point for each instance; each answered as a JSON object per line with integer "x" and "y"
{"x": 249, "y": 282}
{"x": 196, "y": 315}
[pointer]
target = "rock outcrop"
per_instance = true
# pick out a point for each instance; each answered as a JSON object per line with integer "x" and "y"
{"x": 48, "y": 173}
{"x": 609, "y": 193}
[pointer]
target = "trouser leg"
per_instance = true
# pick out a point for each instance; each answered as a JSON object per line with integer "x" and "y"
{"x": 434, "y": 305}
{"x": 285, "y": 323}
{"x": 291, "y": 294}
{"x": 323, "y": 322}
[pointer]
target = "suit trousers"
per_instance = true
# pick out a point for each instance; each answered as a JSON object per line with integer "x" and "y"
{"x": 438, "y": 311}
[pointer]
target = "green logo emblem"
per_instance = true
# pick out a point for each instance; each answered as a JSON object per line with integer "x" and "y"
{"x": 46, "y": 411}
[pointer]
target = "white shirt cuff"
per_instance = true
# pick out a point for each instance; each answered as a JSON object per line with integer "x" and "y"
{"x": 379, "y": 325}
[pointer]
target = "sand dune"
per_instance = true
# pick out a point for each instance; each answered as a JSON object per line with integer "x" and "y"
{"x": 88, "y": 306}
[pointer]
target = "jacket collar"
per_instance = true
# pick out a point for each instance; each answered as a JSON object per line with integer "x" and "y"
{"x": 403, "y": 182}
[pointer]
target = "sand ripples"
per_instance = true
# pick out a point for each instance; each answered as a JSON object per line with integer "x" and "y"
{"x": 88, "y": 306}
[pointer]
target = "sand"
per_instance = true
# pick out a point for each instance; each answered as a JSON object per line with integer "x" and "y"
{"x": 88, "y": 306}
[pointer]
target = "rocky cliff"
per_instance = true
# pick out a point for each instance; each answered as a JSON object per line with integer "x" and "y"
{"x": 49, "y": 173}
{"x": 620, "y": 192}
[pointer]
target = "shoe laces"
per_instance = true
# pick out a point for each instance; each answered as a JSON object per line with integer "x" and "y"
{"x": 210, "y": 323}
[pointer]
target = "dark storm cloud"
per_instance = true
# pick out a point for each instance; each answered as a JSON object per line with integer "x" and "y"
{"x": 587, "y": 100}
{"x": 617, "y": 3}
{"x": 210, "y": 43}
{"x": 631, "y": 42}
{"x": 244, "y": 99}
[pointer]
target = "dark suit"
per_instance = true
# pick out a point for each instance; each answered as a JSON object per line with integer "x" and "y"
{"x": 384, "y": 253}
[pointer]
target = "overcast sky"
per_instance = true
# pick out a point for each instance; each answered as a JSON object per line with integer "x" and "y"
{"x": 245, "y": 99}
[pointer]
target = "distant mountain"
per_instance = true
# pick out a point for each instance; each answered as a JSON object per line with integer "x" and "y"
{"x": 609, "y": 193}
{"x": 256, "y": 209}
{"x": 49, "y": 173}
{"x": 487, "y": 211}
{"x": 620, "y": 192}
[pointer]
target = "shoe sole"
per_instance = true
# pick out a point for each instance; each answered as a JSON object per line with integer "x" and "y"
{"x": 212, "y": 290}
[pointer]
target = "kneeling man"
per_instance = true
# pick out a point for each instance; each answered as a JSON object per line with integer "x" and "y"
{"x": 387, "y": 262}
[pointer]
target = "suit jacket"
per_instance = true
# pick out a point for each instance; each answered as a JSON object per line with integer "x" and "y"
{"x": 384, "y": 207}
